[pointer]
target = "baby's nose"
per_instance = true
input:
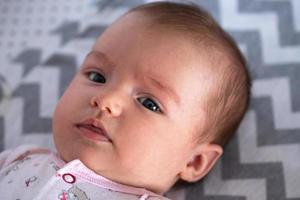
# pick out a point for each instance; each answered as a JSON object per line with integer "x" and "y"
{"x": 107, "y": 103}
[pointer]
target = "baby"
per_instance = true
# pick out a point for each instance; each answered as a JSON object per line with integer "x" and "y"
{"x": 160, "y": 93}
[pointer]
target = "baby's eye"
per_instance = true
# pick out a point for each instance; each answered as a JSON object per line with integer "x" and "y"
{"x": 96, "y": 77}
{"x": 149, "y": 104}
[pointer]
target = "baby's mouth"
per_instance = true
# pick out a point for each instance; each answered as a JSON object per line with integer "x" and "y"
{"x": 93, "y": 130}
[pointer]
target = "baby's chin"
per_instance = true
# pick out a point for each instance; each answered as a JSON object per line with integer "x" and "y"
{"x": 64, "y": 154}
{"x": 65, "y": 158}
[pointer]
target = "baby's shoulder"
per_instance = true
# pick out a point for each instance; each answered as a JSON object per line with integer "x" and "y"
{"x": 19, "y": 153}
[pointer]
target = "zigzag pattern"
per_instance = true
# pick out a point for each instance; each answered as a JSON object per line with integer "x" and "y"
{"x": 272, "y": 104}
{"x": 14, "y": 126}
{"x": 104, "y": 4}
{"x": 250, "y": 152}
{"x": 286, "y": 31}
{"x": 295, "y": 6}
{"x": 71, "y": 31}
{"x": 34, "y": 123}
{"x": 252, "y": 168}
{"x": 233, "y": 20}
{"x": 275, "y": 88}
{"x": 29, "y": 59}
{"x": 258, "y": 69}
{"x": 43, "y": 83}
{"x": 296, "y": 12}
{"x": 260, "y": 168}
{"x": 259, "y": 163}
{"x": 67, "y": 65}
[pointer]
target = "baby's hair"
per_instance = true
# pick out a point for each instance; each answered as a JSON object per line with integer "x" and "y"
{"x": 229, "y": 98}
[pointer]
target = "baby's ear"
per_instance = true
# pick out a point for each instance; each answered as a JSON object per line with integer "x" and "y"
{"x": 203, "y": 159}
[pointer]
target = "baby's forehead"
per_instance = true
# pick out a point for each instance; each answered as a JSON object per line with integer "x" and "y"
{"x": 180, "y": 49}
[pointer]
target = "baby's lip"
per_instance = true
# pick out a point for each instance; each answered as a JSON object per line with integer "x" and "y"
{"x": 94, "y": 125}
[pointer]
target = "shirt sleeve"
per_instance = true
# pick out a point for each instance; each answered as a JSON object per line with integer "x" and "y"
{"x": 11, "y": 155}
{"x": 3, "y": 157}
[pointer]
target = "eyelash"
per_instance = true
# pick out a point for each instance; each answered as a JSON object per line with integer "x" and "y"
{"x": 91, "y": 75}
{"x": 156, "y": 108}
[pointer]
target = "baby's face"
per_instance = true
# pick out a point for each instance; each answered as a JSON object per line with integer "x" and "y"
{"x": 144, "y": 89}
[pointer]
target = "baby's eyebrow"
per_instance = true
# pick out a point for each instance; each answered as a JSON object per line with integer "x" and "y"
{"x": 101, "y": 56}
{"x": 152, "y": 80}
{"x": 165, "y": 88}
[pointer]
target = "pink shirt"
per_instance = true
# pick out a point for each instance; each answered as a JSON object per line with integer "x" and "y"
{"x": 29, "y": 172}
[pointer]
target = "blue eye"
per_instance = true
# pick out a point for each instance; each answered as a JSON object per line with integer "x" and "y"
{"x": 149, "y": 104}
{"x": 96, "y": 77}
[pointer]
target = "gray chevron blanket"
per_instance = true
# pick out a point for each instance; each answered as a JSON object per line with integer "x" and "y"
{"x": 42, "y": 43}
